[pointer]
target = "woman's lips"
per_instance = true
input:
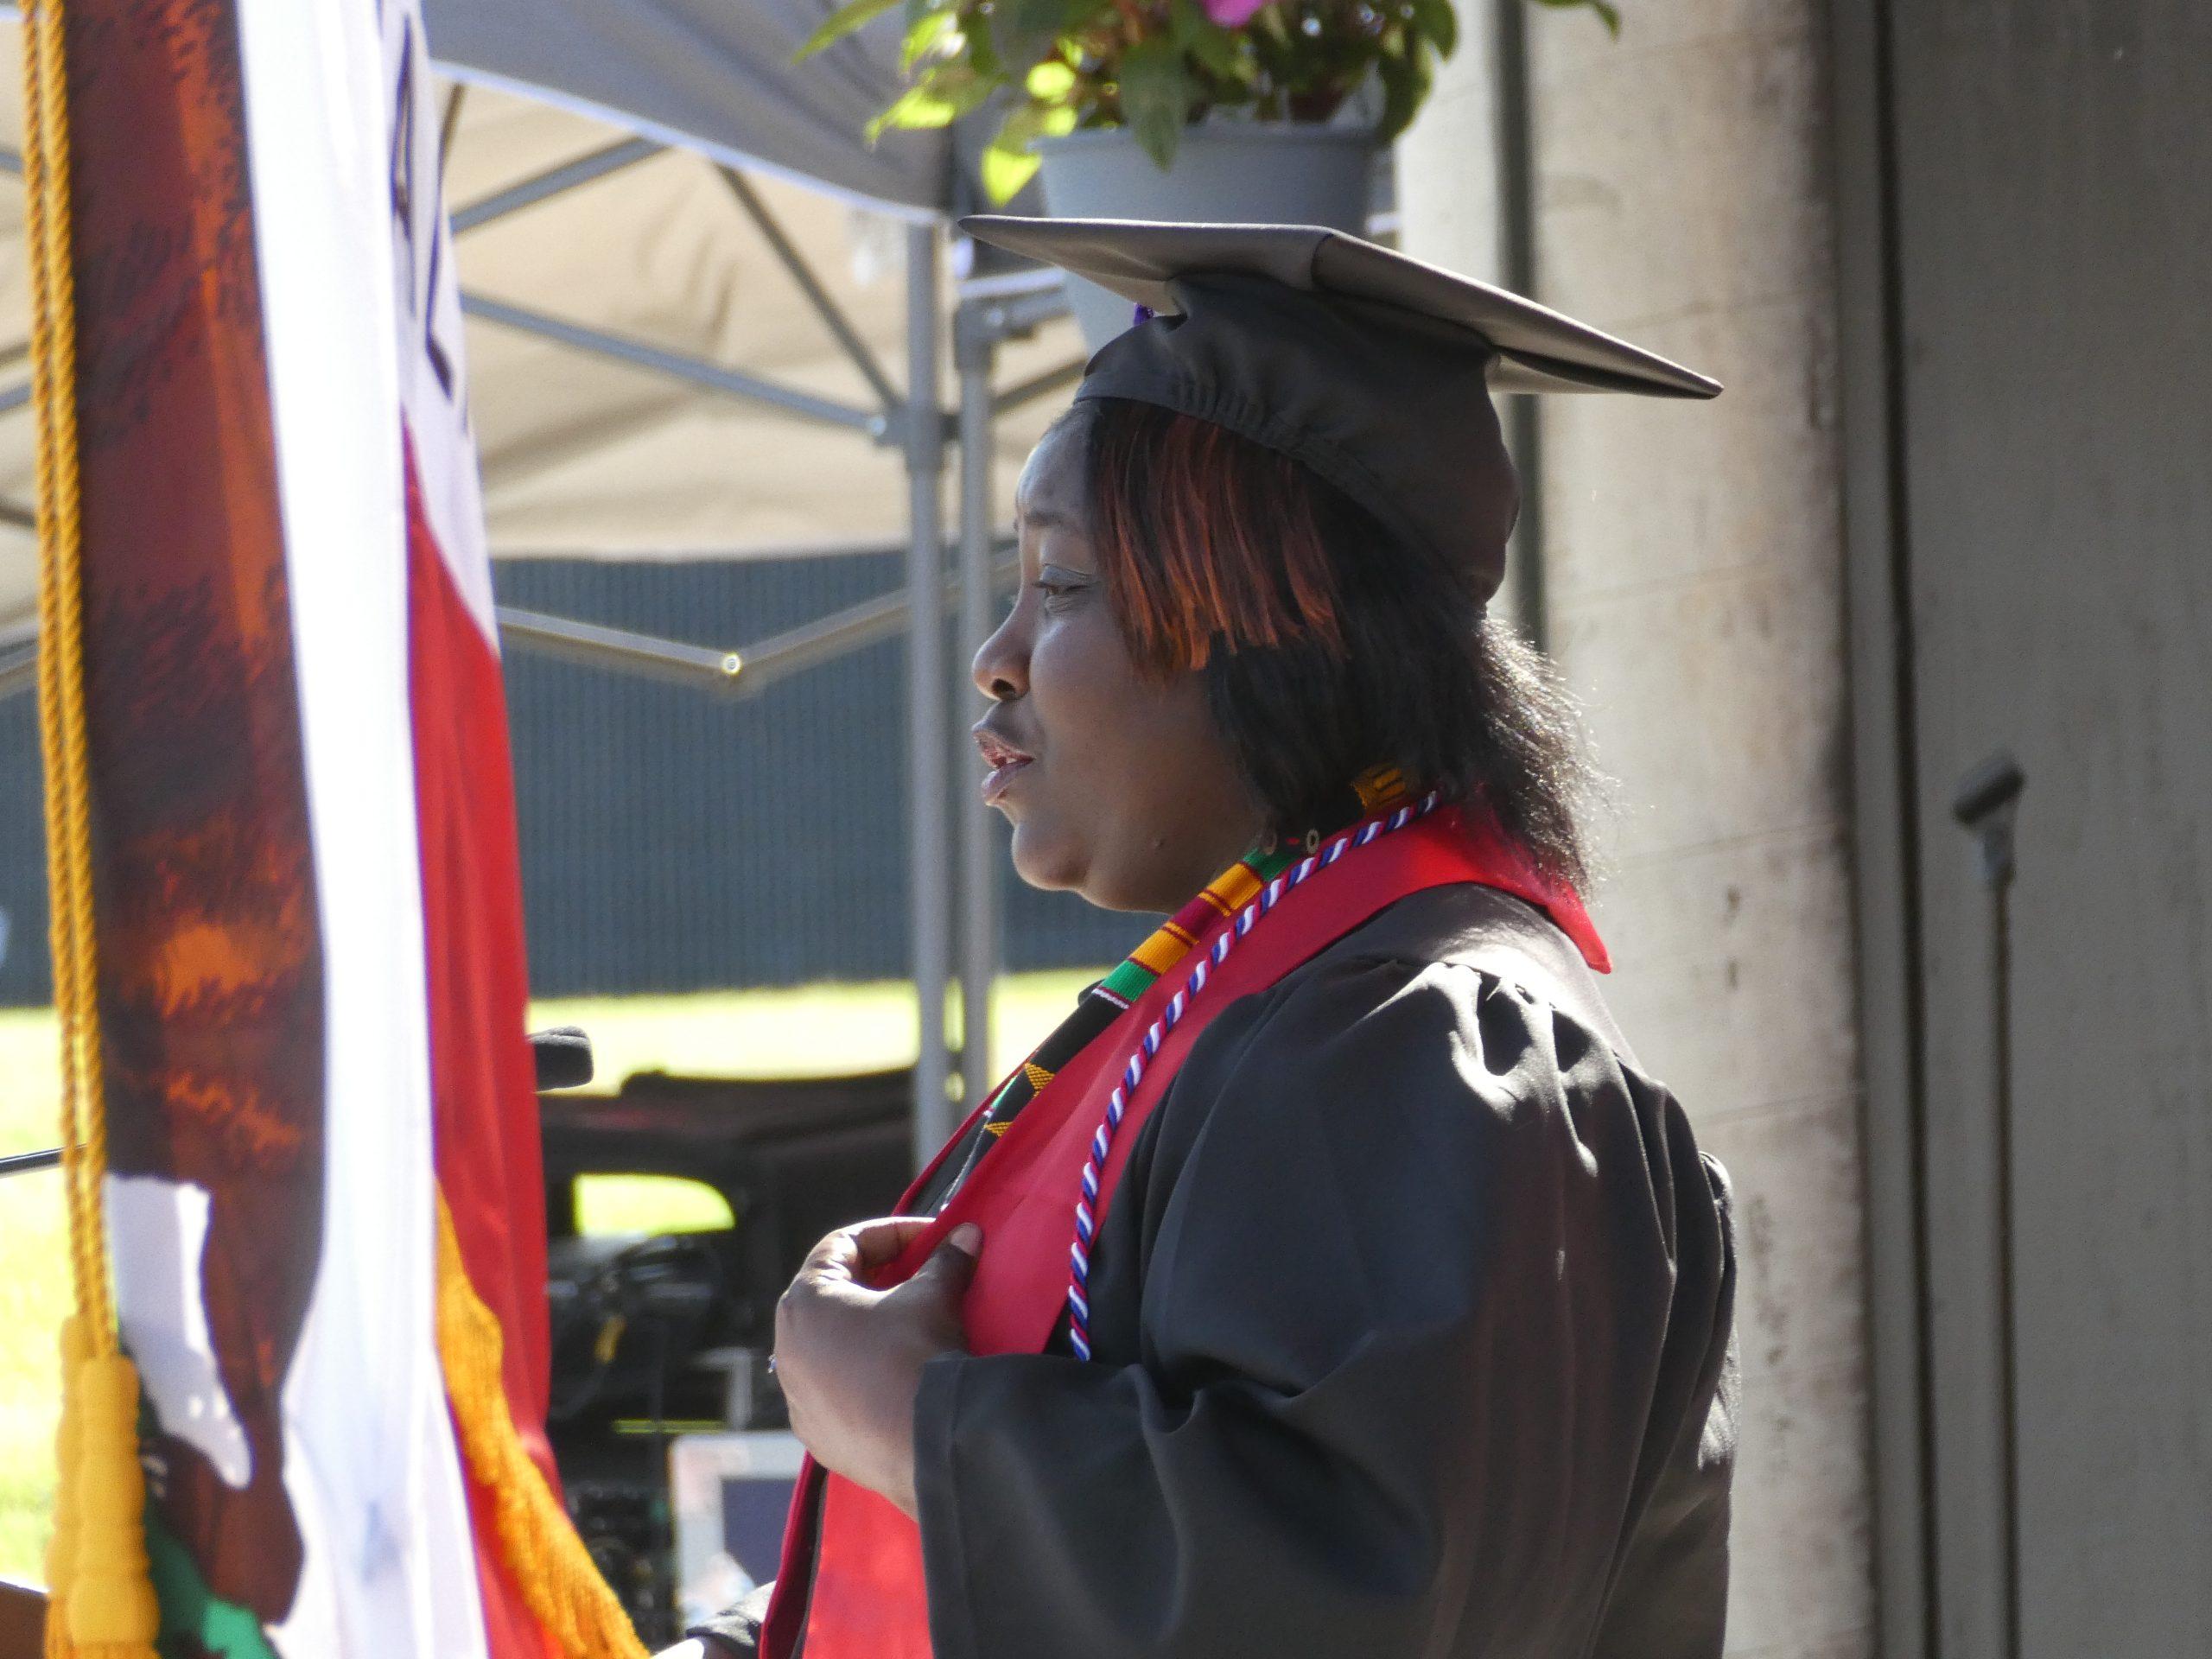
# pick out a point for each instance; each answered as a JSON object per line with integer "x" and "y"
{"x": 1004, "y": 760}
{"x": 997, "y": 781}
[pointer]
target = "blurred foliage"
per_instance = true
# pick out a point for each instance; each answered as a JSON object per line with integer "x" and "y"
{"x": 1155, "y": 66}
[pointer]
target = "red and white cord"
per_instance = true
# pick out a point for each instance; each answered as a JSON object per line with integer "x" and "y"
{"x": 1101, "y": 1141}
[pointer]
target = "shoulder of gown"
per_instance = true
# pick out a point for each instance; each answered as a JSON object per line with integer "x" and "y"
{"x": 1425, "y": 1293}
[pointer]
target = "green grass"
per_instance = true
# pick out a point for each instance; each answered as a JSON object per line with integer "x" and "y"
{"x": 809, "y": 1030}
{"x": 33, "y": 1292}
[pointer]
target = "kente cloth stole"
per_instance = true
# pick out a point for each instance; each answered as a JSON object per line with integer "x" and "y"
{"x": 1375, "y": 790}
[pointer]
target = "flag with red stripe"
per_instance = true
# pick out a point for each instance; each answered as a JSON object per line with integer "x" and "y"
{"x": 324, "y": 1205}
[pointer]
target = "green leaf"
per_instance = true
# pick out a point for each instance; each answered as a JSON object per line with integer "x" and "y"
{"x": 1050, "y": 81}
{"x": 1005, "y": 171}
{"x": 1607, "y": 13}
{"x": 923, "y": 33}
{"x": 1406, "y": 81}
{"x": 1011, "y": 160}
{"x": 1436, "y": 20}
{"x": 941, "y": 98}
{"x": 1023, "y": 31}
{"x": 1211, "y": 46}
{"x": 854, "y": 14}
{"x": 1155, "y": 98}
{"x": 976, "y": 46}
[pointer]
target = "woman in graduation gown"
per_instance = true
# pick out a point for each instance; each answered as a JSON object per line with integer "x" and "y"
{"x": 1334, "y": 1282}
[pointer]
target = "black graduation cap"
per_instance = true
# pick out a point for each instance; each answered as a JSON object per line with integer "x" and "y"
{"x": 1372, "y": 368}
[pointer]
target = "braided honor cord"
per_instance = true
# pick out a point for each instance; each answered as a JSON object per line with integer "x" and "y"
{"x": 1101, "y": 1142}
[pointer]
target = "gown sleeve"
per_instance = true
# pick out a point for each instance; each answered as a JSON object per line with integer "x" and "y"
{"x": 1423, "y": 1329}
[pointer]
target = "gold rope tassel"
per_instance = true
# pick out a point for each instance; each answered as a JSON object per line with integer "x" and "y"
{"x": 62, "y": 1550}
{"x": 559, "y": 1582}
{"x": 102, "y": 1604}
{"x": 112, "y": 1609}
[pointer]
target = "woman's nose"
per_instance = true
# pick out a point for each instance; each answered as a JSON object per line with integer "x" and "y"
{"x": 1002, "y": 666}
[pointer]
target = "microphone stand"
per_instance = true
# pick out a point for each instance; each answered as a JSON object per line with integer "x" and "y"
{"x": 561, "y": 1056}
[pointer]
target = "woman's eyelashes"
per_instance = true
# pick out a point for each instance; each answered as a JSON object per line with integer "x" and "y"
{"x": 1058, "y": 586}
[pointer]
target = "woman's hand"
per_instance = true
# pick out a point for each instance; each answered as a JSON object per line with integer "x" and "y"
{"x": 850, "y": 1358}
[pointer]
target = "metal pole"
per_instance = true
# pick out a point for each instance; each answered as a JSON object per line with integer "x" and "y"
{"x": 449, "y": 125}
{"x": 1986, "y": 802}
{"x": 1038, "y": 385}
{"x": 18, "y": 668}
{"x": 1518, "y": 239}
{"x": 928, "y": 739}
{"x": 979, "y": 918}
{"x": 734, "y": 383}
{"x": 800, "y": 272}
{"x": 554, "y": 181}
{"x": 744, "y": 672}
{"x": 705, "y": 667}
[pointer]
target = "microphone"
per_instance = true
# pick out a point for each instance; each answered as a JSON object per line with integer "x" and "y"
{"x": 563, "y": 1057}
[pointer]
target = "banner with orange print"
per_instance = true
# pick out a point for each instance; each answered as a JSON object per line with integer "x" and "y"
{"x": 310, "y": 1155}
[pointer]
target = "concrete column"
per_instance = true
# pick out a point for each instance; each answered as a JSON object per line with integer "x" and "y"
{"x": 1453, "y": 211}
{"x": 1693, "y": 593}
{"x": 1448, "y": 200}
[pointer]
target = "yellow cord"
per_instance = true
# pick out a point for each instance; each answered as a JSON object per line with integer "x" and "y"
{"x": 559, "y": 1582}
{"x": 61, "y": 702}
{"x": 102, "y": 1603}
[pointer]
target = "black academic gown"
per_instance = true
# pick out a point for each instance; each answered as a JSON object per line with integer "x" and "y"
{"x": 1411, "y": 1325}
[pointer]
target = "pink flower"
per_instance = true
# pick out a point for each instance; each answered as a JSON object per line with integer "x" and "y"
{"x": 1231, "y": 13}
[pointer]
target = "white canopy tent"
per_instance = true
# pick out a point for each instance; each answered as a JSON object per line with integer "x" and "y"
{"x": 707, "y": 321}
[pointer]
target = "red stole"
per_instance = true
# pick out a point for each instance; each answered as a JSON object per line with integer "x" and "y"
{"x": 867, "y": 1599}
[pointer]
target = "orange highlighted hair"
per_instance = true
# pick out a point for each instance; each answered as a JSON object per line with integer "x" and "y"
{"x": 1205, "y": 538}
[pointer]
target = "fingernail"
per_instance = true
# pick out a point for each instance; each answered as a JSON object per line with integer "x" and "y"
{"x": 967, "y": 1238}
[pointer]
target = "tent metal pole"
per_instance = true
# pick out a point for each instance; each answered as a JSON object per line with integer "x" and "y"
{"x": 1036, "y": 386}
{"x": 729, "y": 382}
{"x": 449, "y": 124}
{"x": 18, "y": 668}
{"x": 554, "y": 181}
{"x": 590, "y": 646}
{"x": 16, "y": 395}
{"x": 975, "y": 354}
{"x": 812, "y": 643}
{"x": 735, "y": 674}
{"x": 928, "y": 703}
{"x": 742, "y": 672}
{"x": 794, "y": 262}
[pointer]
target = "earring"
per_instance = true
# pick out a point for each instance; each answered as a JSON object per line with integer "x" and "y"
{"x": 1313, "y": 841}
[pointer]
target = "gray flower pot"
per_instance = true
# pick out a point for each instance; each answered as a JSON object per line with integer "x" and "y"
{"x": 1231, "y": 172}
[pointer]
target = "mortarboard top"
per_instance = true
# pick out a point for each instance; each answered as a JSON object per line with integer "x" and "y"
{"x": 1539, "y": 349}
{"x": 1372, "y": 368}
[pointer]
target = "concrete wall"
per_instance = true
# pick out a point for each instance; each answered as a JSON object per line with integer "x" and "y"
{"x": 1694, "y": 600}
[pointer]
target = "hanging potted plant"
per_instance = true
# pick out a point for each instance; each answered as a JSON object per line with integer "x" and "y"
{"x": 1225, "y": 110}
